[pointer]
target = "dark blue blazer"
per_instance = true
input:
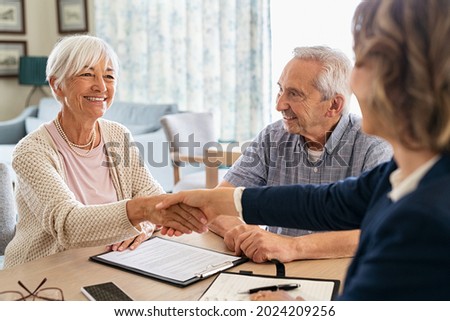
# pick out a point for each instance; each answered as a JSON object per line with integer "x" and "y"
{"x": 404, "y": 248}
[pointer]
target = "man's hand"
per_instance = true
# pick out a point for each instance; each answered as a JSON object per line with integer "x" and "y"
{"x": 260, "y": 245}
{"x": 224, "y": 223}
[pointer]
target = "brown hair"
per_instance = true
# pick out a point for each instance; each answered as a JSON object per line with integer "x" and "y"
{"x": 409, "y": 43}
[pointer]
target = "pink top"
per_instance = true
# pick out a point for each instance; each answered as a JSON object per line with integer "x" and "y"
{"x": 86, "y": 177}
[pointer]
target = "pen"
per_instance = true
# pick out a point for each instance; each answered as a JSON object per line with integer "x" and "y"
{"x": 285, "y": 287}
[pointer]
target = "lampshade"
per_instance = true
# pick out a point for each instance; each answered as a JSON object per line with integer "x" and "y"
{"x": 32, "y": 70}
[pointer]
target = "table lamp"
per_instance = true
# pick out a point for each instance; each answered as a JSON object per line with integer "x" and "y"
{"x": 32, "y": 72}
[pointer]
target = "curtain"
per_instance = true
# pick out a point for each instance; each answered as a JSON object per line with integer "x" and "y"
{"x": 204, "y": 55}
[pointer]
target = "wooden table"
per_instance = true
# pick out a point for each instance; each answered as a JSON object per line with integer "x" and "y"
{"x": 70, "y": 270}
{"x": 213, "y": 158}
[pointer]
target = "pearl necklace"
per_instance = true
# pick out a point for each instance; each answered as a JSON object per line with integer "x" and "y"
{"x": 72, "y": 146}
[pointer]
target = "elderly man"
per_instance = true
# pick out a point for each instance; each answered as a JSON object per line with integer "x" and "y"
{"x": 317, "y": 141}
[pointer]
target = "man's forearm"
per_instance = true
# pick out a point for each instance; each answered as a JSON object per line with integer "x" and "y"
{"x": 327, "y": 245}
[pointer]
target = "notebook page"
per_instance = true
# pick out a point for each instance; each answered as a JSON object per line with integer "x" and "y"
{"x": 226, "y": 287}
{"x": 169, "y": 259}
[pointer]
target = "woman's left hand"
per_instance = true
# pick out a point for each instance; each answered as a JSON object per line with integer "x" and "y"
{"x": 147, "y": 229}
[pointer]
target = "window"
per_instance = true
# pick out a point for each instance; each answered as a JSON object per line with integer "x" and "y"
{"x": 309, "y": 23}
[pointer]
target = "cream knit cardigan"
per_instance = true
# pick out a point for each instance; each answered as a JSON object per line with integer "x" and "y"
{"x": 51, "y": 220}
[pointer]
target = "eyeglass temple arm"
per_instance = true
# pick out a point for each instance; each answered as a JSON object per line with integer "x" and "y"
{"x": 37, "y": 288}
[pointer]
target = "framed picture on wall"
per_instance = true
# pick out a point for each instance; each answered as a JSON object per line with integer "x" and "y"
{"x": 12, "y": 16}
{"x": 72, "y": 16}
{"x": 10, "y": 53}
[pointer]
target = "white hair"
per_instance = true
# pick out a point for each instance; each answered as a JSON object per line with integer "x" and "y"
{"x": 73, "y": 53}
{"x": 337, "y": 70}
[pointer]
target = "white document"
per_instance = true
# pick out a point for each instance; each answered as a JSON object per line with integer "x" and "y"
{"x": 227, "y": 287}
{"x": 170, "y": 259}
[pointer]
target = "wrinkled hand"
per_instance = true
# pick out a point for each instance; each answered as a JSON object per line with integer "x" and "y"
{"x": 169, "y": 231}
{"x": 209, "y": 202}
{"x": 146, "y": 228}
{"x": 220, "y": 225}
{"x": 190, "y": 217}
{"x": 260, "y": 245}
{"x": 273, "y": 296}
{"x": 224, "y": 223}
{"x": 175, "y": 216}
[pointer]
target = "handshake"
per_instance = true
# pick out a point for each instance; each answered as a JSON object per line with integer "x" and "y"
{"x": 215, "y": 209}
{"x": 186, "y": 211}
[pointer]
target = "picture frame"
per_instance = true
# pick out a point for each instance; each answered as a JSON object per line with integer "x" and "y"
{"x": 12, "y": 16}
{"x": 10, "y": 53}
{"x": 72, "y": 16}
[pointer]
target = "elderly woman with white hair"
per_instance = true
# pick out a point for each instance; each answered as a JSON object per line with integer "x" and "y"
{"x": 75, "y": 188}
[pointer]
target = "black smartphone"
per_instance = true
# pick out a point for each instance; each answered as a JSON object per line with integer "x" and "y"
{"x": 105, "y": 292}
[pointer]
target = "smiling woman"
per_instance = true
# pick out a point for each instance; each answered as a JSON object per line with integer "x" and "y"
{"x": 67, "y": 197}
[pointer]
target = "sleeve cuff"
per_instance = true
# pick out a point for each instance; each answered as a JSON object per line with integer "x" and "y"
{"x": 237, "y": 195}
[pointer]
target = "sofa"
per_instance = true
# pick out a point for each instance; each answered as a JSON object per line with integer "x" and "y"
{"x": 141, "y": 119}
{"x": 7, "y": 211}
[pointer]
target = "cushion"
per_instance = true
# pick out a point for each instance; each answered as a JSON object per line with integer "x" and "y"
{"x": 32, "y": 123}
{"x": 140, "y": 129}
{"x": 48, "y": 109}
{"x": 139, "y": 118}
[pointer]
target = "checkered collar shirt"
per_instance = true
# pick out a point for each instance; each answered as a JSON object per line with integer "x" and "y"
{"x": 276, "y": 157}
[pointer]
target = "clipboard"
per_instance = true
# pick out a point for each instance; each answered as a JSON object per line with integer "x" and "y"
{"x": 229, "y": 286}
{"x": 170, "y": 261}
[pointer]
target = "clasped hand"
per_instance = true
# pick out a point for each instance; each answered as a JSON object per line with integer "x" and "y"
{"x": 203, "y": 206}
{"x": 177, "y": 217}
{"x": 179, "y": 213}
{"x": 146, "y": 229}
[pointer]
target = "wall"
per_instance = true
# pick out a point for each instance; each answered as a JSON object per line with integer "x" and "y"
{"x": 41, "y": 34}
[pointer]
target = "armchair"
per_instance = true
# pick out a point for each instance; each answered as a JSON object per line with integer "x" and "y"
{"x": 11, "y": 131}
{"x": 7, "y": 211}
{"x": 190, "y": 136}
